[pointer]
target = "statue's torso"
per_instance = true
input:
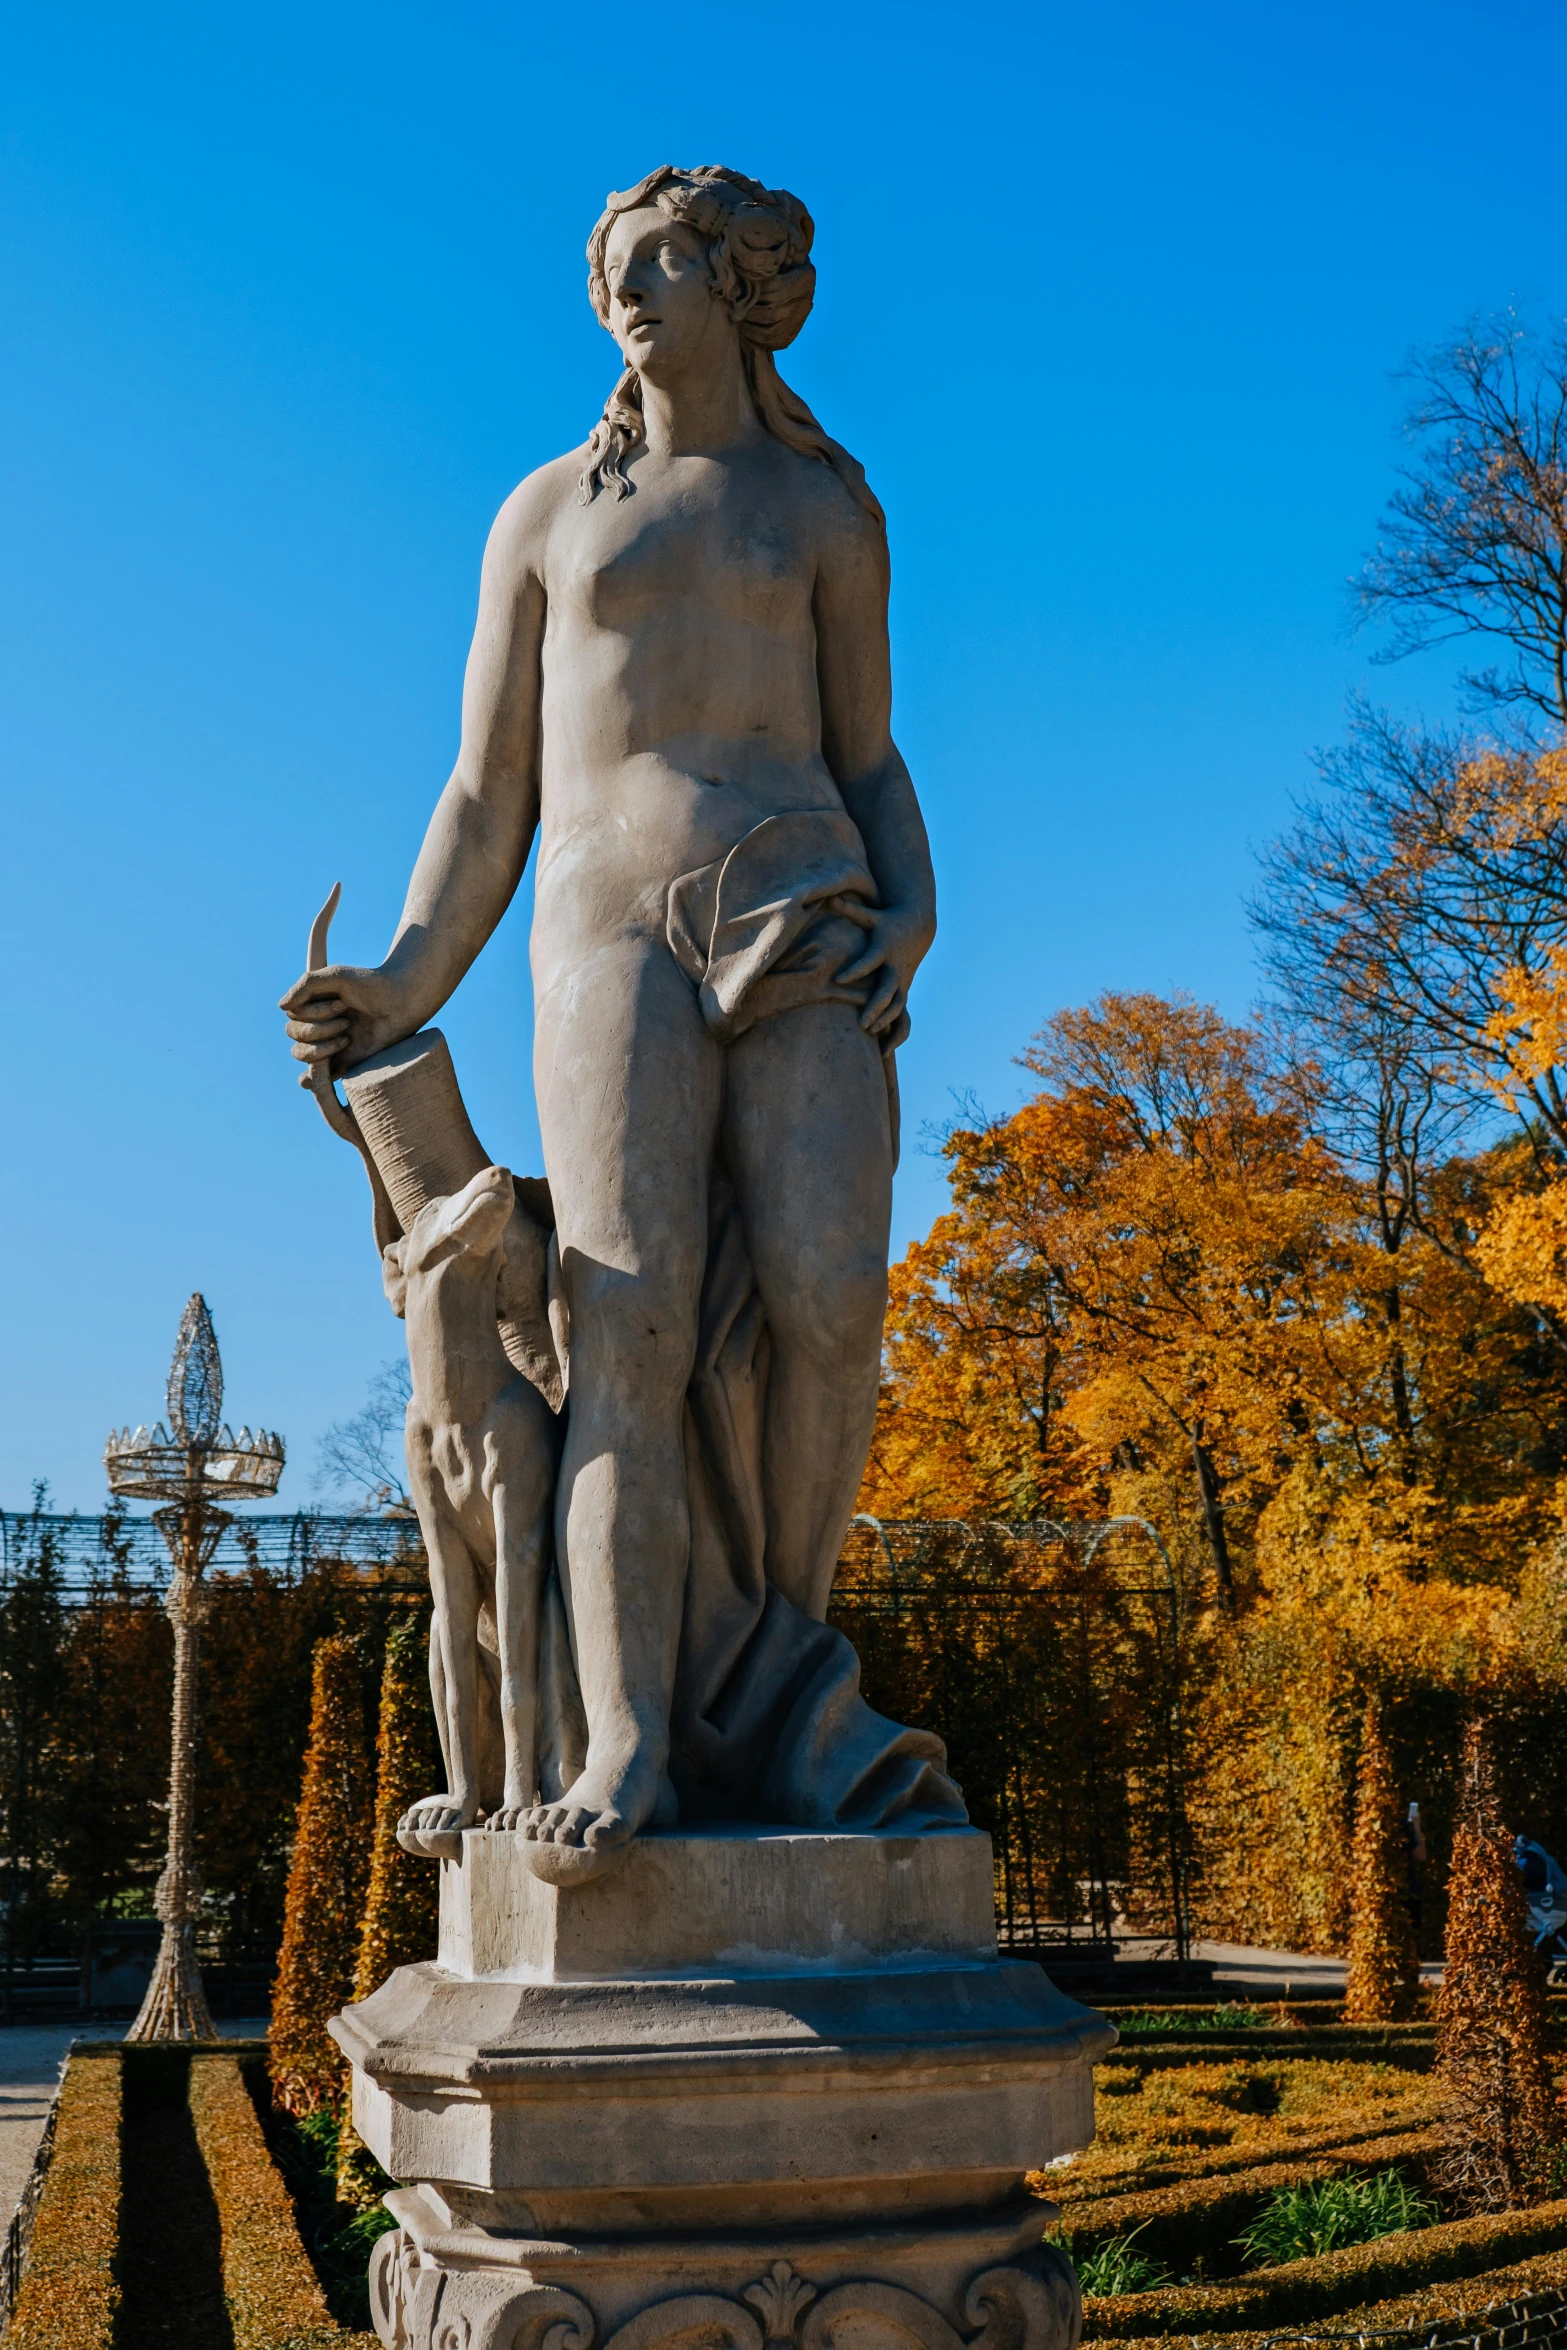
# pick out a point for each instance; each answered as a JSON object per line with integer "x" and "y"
{"x": 680, "y": 698}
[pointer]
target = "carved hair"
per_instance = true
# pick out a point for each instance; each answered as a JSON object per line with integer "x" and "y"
{"x": 759, "y": 251}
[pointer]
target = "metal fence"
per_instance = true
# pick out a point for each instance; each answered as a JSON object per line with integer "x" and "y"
{"x": 1049, "y": 1658}
{"x": 90, "y": 1551}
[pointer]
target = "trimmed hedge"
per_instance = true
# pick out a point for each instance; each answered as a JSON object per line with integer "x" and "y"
{"x": 1336, "y": 2282}
{"x": 1410, "y": 2046}
{"x": 1199, "y": 2219}
{"x": 1347, "y": 2135}
{"x": 270, "y": 2287}
{"x": 69, "y": 2296}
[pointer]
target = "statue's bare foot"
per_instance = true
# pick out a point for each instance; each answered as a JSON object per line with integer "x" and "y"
{"x": 433, "y": 1826}
{"x": 596, "y": 1821}
{"x": 509, "y": 1816}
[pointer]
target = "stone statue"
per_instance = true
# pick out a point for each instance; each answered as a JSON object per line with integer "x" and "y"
{"x": 680, "y": 681}
{"x": 718, "y": 2051}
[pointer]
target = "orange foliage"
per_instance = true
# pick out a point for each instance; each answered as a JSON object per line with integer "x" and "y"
{"x": 1158, "y": 1292}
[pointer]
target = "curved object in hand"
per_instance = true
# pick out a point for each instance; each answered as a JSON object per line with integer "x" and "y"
{"x": 337, "y": 1115}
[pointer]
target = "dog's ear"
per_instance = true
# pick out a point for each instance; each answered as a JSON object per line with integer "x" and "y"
{"x": 393, "y": 1279}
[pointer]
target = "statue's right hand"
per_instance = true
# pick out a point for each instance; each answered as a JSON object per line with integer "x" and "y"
{"x": 341, "y": 1015}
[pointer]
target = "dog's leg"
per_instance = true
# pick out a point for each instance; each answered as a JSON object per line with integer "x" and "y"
{"x": 522, "y": 1534}
{"x": 433, "y": 1826}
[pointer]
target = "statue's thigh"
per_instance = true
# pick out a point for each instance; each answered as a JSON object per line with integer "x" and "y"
{"x": 808, "y": 1137}
{"x": 629, "y": 1087}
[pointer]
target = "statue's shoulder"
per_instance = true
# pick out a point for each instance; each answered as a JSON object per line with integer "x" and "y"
{"x": 520, "y": 532}
{"x": 840, "y": 522}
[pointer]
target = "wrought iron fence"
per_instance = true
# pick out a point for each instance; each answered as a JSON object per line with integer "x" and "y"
{"x": 92, "y": 1550}
{"x": 1049, "y": 1657}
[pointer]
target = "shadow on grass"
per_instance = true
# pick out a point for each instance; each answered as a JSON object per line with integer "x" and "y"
{"x": 170, "y": 2260}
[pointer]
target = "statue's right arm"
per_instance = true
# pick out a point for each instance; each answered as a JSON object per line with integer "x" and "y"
{"x": 479, "y": 836}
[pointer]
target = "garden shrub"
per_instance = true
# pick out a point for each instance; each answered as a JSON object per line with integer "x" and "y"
{"x": 1144, "y": 2023}
{"x": 1383, "y": 1979}
{"x": 69, "y": 2295}
{"x": 326, "y": 1887}
{"x": 1118, "y": 2267}
{"x": 1200, "y": 2219}
{"x": 1492, "y": 2023}
{"x": 1334, "y": 2282}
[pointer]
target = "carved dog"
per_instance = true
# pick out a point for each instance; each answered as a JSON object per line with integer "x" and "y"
{"x": 483, "y": 1446}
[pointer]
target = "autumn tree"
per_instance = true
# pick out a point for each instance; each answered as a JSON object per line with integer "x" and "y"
{"x": 1421, "y": 898}
{"x": 1133, "y": 1269}
{"x": 1474, "y": 541}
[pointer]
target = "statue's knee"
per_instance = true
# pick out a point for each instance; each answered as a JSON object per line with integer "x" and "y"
{"x": 631, "y": 1335}
{"x": 835, "y": 1310}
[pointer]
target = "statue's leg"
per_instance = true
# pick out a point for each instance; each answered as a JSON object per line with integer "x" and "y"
{"x": 809, "y": 1144}
{"x": 629, "y": 1089}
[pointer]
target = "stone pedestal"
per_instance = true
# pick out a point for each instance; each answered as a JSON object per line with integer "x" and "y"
{"x": 753, "y": 2088}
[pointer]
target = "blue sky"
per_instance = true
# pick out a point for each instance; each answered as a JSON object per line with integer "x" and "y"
{"x": 1110, "y": 300}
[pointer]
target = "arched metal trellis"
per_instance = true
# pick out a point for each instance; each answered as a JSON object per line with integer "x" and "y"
{"x": 1049, "y": 1657}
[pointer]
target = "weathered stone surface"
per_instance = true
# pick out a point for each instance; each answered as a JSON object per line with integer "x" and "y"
{"x": 722, "y": 1902}
{"x": 726, "y": 2089}
{"x": 839, "y": 2093}
{"x": 433, "y": 2286}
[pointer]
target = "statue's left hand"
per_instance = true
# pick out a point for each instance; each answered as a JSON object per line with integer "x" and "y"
{"x": 342, "y": 1015}
{"x": 895, "y": 946}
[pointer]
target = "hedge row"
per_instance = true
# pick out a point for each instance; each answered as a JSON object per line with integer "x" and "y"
{"x": 1473, "y": 2308}
{"x": 269, "y": 2285}
{"x": 1199, "y": 2219}
{"x": 1351, "y": 2132}
{"x": 1409, "y": 2046}
{"x": 1334, "y": 2283}
{"x": 69, "y": 2295}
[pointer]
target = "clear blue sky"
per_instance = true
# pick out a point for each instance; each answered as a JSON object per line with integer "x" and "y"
{"x": 1110, "y": 297}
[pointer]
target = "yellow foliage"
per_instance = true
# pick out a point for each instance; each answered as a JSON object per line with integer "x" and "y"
{"x": 1523, "y": 1248}
{"x": 1156, "y": 1291}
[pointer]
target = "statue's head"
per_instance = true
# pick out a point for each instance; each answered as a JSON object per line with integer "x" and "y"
{"x": 664, "y": 252}
{"x": 685, "y": 257}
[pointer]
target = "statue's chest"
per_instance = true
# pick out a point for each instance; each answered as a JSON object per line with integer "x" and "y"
{"x": 641, "y": 556}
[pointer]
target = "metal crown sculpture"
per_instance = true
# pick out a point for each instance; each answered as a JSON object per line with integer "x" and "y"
{"x": 187, "y": 1465}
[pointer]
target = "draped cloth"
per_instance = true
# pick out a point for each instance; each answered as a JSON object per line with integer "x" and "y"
{"x": 768, "y": 1723}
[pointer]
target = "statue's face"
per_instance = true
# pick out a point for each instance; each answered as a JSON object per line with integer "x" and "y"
{"x": 661, "y": 307}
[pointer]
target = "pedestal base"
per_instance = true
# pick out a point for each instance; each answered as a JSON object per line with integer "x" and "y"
{"x": 955, "y": 2287}
{"x": 758, "y": 2088}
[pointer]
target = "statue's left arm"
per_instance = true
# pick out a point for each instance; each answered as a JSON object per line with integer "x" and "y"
{"x": 854, "y": 678}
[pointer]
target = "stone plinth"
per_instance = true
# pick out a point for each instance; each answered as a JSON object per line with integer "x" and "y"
{"x": 766, "y": 2087}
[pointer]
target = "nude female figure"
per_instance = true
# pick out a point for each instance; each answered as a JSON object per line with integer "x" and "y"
{"x": 682, "y": 633}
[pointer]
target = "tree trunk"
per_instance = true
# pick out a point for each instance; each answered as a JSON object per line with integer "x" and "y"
{"x": 1213, "y": 1523}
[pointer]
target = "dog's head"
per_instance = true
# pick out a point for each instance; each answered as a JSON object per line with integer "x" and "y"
{"x": 466, "y": 1227}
